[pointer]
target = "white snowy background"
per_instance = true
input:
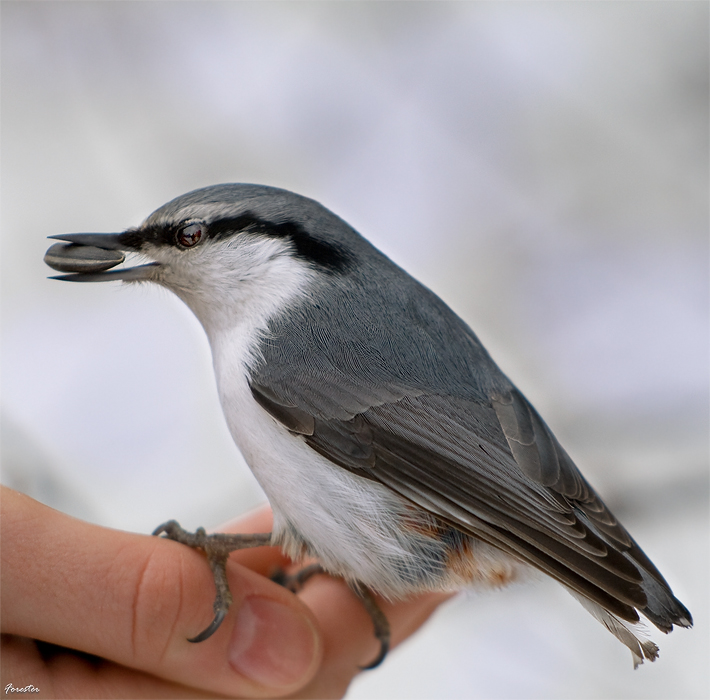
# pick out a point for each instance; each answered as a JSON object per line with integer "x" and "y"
{"x": 542, "y": 166}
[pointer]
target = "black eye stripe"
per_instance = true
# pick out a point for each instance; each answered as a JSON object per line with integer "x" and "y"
{"x": 134, "y": 239}
{"x": 327, "y": 255}
{"x": 223, "y": 228}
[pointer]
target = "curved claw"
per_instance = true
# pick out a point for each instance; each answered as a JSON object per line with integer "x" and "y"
{"x": 213, "y": 627}
{"x": 384, "y": 649}
{"x": 217, "y": 548}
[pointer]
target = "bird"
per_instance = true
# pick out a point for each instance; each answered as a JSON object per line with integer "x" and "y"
{"x": 391, "y": 447}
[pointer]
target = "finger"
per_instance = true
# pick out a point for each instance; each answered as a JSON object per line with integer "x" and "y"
{"x": 348, "y": 634}
{"x": 26, "y": 665}
{"x": 135, "y": 600}
{"x": 349, "y": 642}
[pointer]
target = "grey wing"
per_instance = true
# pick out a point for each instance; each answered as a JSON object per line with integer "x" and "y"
{"x": 492, "y": 469}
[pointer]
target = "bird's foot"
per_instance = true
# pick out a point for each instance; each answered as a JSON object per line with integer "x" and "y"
{"x": 217, "y": 548}
{"x": 295, "y": 582}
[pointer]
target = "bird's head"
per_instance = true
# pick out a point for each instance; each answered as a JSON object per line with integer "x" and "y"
{"x": 221, "y": 249}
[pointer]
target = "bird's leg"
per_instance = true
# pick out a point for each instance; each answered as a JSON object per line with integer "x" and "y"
{"x": 217, "y": 548}
{"x": 295, "y": 582}
{"x": 379, "y": 622}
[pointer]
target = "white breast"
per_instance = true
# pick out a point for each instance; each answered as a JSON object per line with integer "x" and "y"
{"x": 352, "y": 525}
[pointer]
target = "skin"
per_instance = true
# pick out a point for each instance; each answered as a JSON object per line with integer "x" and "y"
{"x": 132, "y": 600}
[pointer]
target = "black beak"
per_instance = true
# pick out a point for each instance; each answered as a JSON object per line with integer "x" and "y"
{"x": 104, "y": 241}
{"x": 87, "y": 256}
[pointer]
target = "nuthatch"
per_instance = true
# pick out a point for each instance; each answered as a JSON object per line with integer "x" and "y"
{"x": 390, "y": 445}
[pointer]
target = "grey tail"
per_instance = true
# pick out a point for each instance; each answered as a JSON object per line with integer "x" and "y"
{"x": 662, "y": 608}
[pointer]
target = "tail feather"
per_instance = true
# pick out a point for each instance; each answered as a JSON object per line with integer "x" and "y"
{"x": 663, "y": 608}
{"x": 632, "y": 635}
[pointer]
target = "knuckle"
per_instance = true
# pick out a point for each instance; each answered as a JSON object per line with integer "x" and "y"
{"x": 157, "y": 604}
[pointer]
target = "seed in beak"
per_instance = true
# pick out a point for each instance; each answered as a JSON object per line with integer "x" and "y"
{"x": 70, "y": 257}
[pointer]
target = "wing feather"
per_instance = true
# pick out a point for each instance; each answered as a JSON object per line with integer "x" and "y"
{"x": 493, "y": 470}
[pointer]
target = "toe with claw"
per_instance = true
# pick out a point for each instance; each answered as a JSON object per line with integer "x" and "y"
{"x": 217, "y": 548}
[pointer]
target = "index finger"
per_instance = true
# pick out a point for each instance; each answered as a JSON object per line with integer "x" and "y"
{"x": 135, "y": 599}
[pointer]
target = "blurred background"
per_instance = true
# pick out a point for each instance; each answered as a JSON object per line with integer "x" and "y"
{"x": 541, "y": 166}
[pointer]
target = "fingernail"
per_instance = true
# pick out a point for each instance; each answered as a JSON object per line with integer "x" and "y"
{"x": 272, "y": 644}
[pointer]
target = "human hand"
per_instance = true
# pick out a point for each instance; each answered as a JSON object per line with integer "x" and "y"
{"x": 131, "y": 601}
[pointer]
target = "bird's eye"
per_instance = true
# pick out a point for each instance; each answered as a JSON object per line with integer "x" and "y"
{"x": 190, "y": 235}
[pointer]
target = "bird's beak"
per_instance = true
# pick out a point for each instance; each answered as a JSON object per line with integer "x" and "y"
{"x": 88, "y": 256}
